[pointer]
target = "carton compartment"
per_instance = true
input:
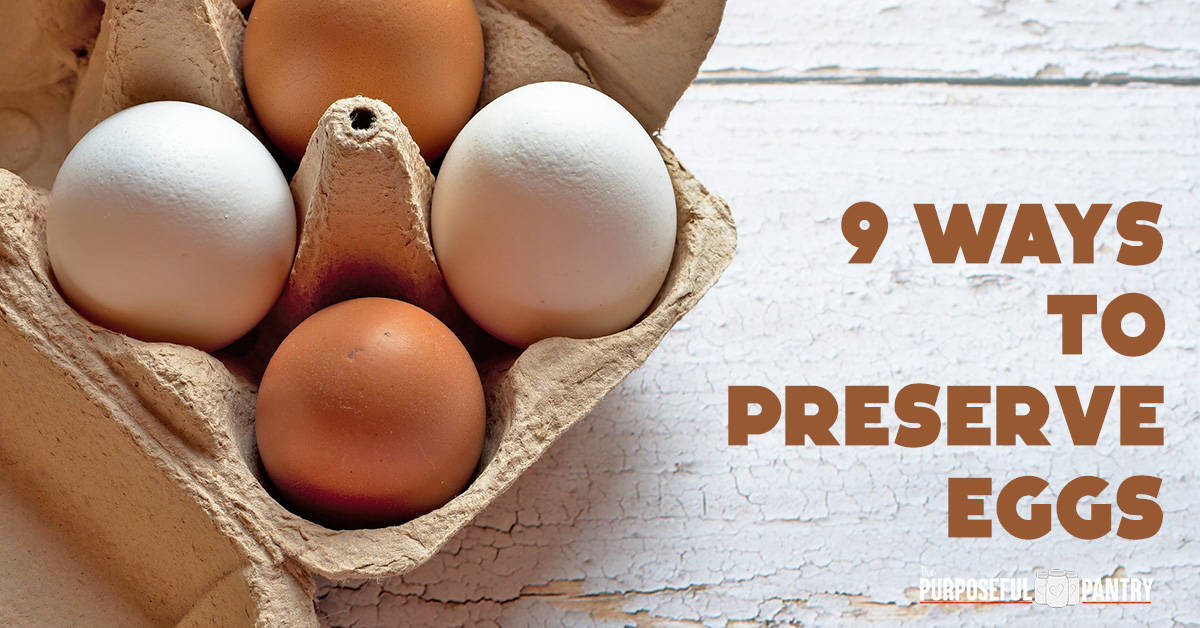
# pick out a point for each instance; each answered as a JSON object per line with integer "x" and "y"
{"x": 131, "y": 477}
{"x": 102, "y": 525}
{"x": 96, "y": 533}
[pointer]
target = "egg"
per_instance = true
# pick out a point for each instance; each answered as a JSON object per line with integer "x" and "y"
{"x": 424, "y": 58}
{"x": 553, "y": 215}
{"x": 370, "y": 413}
{"x": 171, "y": 222}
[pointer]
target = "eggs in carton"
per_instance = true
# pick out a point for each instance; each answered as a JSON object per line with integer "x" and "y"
{"x": 132, "y": 493}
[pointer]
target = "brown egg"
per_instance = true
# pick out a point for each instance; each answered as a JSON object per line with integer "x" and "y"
{"x": 424, "y": 58}
{"x": 369, "y": 414}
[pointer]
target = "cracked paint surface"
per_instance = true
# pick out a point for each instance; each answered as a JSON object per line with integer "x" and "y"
{"x": 998, "y": 39}
{"x": 642, "y": 515}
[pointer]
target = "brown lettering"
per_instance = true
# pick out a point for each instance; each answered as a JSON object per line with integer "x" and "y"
{"x": 1039, "y": 521}
{"x": 963, "y": 416}
{"x": 960, "y": 234}
{"x": 914, "y": 405}
{"x": 1030, "y": 237}
{"x": 1072, "y": 308}
{"x": 966, "y": 506}
{"x": 1149, "y": 513}
{"x": 1010, "y": 424}
{"x": 741, "y": 423}
{"x": 1085, "y": 425}
{"x": 1143, "y": 343}
{"x": 1136, "y": 222}
{"x": 1137, "y": 411}
{"x": 860, "y": 413}
{"x": 1100, "y": 522}
{"x": 818, "y": 426}
{"x": 1084, "y": 228}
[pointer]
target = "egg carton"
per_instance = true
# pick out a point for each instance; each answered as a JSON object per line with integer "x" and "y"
{"x": 131, "y": 492}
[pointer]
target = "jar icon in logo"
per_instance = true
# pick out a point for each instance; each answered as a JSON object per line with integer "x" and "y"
{"x": 1072, "y": 588}
{"x": 1057, "y": 589}
{"x": 1039, "y": 587}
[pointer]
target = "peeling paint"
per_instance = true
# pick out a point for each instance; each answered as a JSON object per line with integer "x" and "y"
{"x": 643, "y": 516}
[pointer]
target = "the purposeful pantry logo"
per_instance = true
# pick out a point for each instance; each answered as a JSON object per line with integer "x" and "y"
{"x": 1055, "y": 588}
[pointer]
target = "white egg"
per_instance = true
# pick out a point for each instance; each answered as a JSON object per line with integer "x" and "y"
{"x": 553, "y": 215}
{"x": 171, "y": 222}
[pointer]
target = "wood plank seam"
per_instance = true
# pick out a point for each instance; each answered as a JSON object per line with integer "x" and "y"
{"x": 988, "y": 81}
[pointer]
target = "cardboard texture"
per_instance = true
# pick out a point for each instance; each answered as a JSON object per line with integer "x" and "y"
{"x": 131, "y": 493}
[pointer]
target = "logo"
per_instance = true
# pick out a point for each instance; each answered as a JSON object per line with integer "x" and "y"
{"x": 1056, "y": 588}
{"x": 1053, "y": 588}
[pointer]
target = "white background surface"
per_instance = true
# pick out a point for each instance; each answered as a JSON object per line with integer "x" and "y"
{"x": 642, "y": 515}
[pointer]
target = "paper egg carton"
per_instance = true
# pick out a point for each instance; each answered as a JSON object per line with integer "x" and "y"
{"x": 131, "y": 493}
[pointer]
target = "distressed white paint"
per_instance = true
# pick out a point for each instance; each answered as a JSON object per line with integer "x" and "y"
{"x": 643, "y": 515}
{"x": 972, "y": 39}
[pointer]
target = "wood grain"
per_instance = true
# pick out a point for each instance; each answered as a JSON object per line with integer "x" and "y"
{"x": 988, "y": 41}
{"x": 642, "y": 515}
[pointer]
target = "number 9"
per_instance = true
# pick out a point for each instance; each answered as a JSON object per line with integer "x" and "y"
{"x": 864, "y": 226}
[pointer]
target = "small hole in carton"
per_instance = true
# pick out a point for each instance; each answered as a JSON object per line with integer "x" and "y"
{"x": 362, "y": 119}
{"x": 637, "y": 8}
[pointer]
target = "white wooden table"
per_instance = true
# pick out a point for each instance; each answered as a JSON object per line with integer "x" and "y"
{"x": 642, "y": 515}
